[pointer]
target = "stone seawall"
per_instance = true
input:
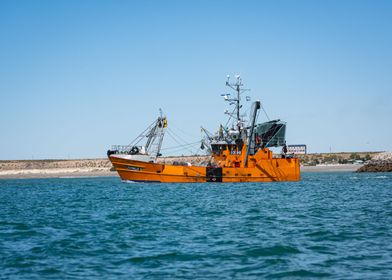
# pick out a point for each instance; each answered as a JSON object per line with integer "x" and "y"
{"x": 380, "y": 163}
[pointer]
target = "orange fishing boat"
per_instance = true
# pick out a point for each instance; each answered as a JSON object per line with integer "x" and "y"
{"x": 238, "y": 154}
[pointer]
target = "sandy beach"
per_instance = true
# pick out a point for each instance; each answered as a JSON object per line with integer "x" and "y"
{"x": 55, "y": 168}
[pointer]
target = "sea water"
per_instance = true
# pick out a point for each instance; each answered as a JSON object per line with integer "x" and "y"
{"x": 329, "y": 225}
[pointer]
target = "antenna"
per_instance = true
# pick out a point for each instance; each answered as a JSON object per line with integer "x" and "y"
{"x": 237, "y": 87}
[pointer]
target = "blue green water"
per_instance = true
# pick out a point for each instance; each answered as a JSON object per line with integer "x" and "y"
{"x": 329, "y": 225}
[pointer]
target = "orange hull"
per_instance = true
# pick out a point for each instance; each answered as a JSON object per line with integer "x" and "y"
{"x": 265, "y": 170}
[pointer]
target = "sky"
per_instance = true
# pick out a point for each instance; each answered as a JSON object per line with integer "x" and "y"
{"x": 79, "y": 76}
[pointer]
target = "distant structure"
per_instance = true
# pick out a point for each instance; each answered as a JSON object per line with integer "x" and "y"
{"x": 296, "y": 149}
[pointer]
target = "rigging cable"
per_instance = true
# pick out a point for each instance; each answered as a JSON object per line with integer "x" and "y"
{"x": 265, "y": 112}
{"x": 231, "y": 115}
{"x": 141, "y": 135}
{"x": 180, "y": 138}
{"x": 170, "y": 134}
{"x": 182, "y": 131}
{"x": 176, "y": 147}
{"x": 172, "y": 152}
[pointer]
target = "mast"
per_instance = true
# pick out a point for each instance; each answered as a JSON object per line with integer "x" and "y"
{"x": 237, "y": 87}
{"x": 238, "y": 103}
{"x": 255, "y": 108}
{"x": 155, "y": 136}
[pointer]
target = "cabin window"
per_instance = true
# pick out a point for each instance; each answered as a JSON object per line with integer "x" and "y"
{"x": 217, "y": 149}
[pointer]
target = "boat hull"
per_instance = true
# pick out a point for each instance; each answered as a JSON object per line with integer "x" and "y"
{"x": 268, "y": 170}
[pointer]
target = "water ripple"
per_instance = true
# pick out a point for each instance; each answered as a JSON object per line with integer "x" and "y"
{"x": 334, "y": 226}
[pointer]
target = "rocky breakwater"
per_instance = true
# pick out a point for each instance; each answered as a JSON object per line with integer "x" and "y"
{"x": 380, "y": 163}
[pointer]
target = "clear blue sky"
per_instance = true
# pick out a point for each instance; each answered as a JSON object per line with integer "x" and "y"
{"x": 78, "y": 76}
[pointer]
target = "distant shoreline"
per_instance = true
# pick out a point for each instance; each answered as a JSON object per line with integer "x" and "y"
{"x": 331, "y": 168}
{"x": 14, "y": 169}
{"x": 45, "y": 173}
{"x": 25, "y": 169}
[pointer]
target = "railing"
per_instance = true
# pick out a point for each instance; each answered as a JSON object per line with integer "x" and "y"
{"x": 119, "y": 149}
